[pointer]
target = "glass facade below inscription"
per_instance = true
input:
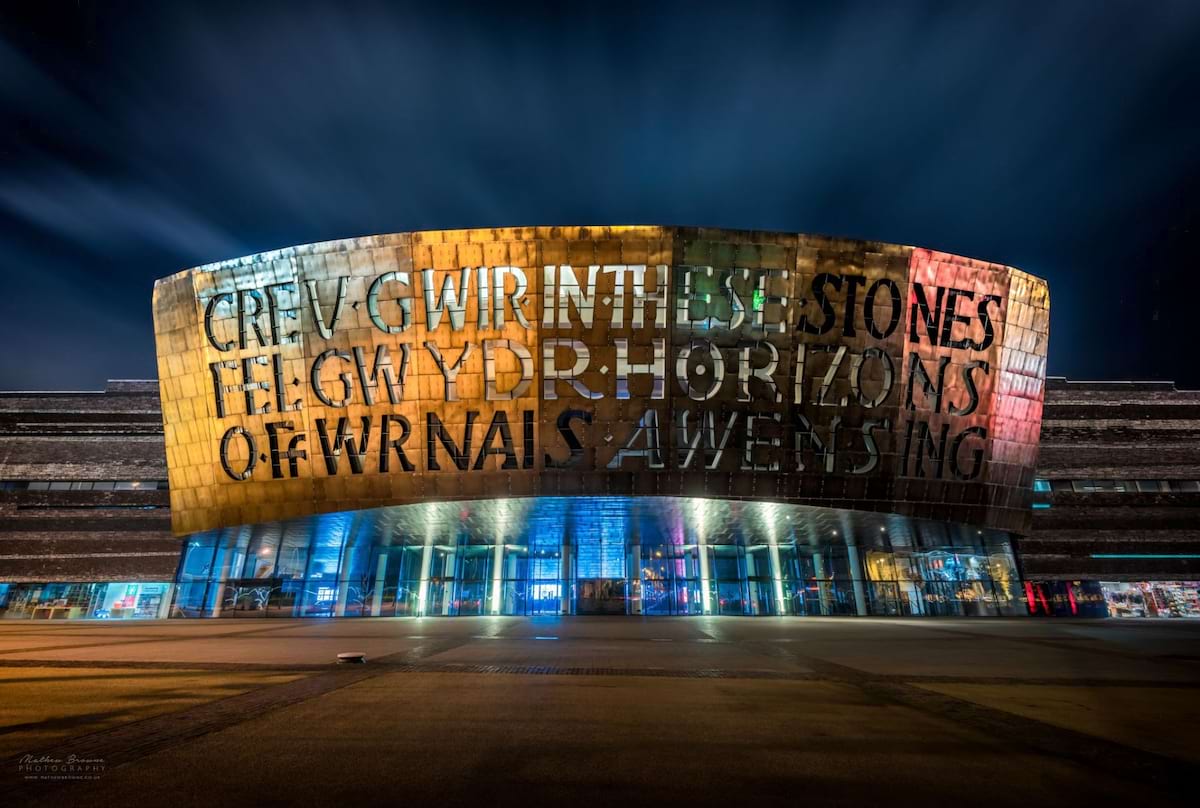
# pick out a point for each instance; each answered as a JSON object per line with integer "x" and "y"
{"x": 597, "y": 555}
{"x": 1152, "y": 598}
{"x": 85, "y": 601}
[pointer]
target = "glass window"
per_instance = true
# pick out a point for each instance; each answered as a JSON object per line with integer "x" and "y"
{"x": 293, "y": 550}
{"x": 90, "y": 601}
{"x": 325, "y": 553}
{"x": 726, "y": 562}
{"x": 475, "y": 562}
{"x": 262, "y": 552}
{"x": 189, "y": 599}
{"x": 197, "y": 563}
{"x": 730, "y": 597}
{"x": 285, "y": 598}
{"x": 436, "y": 560}
{"x": 1153, "y": 598}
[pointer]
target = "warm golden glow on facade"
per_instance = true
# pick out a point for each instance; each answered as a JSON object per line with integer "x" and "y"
{"x": 567, "y": 361}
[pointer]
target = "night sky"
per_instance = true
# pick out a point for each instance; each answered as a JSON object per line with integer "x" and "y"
{"x": 137, "y": 140}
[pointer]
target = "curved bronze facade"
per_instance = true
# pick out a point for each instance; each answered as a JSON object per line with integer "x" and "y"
{"x": 623, "y": 361}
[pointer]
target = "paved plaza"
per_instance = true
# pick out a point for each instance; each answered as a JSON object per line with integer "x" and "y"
{"x": 694, "y": 710}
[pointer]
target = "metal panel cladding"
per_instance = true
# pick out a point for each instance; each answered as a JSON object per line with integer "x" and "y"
{"x": 626, "y": 361}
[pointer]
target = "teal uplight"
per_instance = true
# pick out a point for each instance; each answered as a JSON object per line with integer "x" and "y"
{"x": 1145, "y": 555}
{"x": 1041, "y": 506}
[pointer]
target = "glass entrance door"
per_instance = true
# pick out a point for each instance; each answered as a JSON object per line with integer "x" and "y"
{"x": 600, "y": 596}
{"x": 544, "y": 597}
{"x": 670, "y": 578}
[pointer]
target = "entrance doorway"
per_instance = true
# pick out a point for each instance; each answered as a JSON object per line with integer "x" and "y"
{"x": 600, "y": 596}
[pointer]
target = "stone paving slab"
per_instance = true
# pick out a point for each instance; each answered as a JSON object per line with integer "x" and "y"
{"x": 39, "y": 705}
{"x": 1132, "y": 716}
{"x": 951, "y": 693}
{"x": 423, "y": 738}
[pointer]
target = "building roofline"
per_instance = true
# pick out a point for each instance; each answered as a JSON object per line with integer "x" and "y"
{"x": 1116, "y": 383}
{"x": 121, "y": 386}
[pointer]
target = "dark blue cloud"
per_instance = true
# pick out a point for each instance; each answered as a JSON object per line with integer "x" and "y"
{"x": 1063, "y": 138}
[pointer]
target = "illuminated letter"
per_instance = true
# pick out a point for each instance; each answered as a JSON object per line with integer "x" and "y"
{"x": 326, "y": 328}
{"x": 405, "y": 303}
{"x": 653, "y": 451}
{"x": 752, "y": 441}
{"x": 292, "y": 454}
{"x": 770, "y": 300}
{"x": 916, "y": 372}
{"x": 393, "y": 381}
{"x": 209, "y": 310}
{"x": 658, "y": 366}
{"x": 499, "y": 426}
{"x": 953, "y": 318}
{"x": 839, "y": 353}
{"x": 706, "y": 434}
{"x": 344, "y": 437}
{"x": 618, "y": 306}
{"x": 570, "y": 294}
{"x": 549, "y": 305}
{"x": 319, "y": 363}
{"x": 251, "y": 453}
{"x": 822, "y": 299}
{"x": 681, "y": 370}
{"x": 573, "y": 445}
{"x": 850, "y": 315}
{"x": 976, "y": 455}
{"x": 551, "y": 372}
{"x": 972, "y": 389}
{"x": 893, "y": 314}
{"x": 868, "y": 432}
{"x": 929, "y": 317}
{"x": 386, "y": 441}
{"x": 985, "y": 319}
{"x": 280, "y": 313}
{"x": 686, "y": 297}
{"x": 806, "y": 434}
{"x": 745, "y": 370}
{"x": 521, "y": 284}
{"x": 281, "y": 402}
{"x": 658, "y": 297}
{"x": 885, "y": 388}
{"x": 450, "y": 373}
{"x": 219, "y": 389}
{"x": 248, "y": 385}
{"x": 936, "y": 448}
{"x": 243, "y": 295}
{"x": 489, "y": 369}
{"x": 449, "y": 300}
{"x": 435, "y": 431}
